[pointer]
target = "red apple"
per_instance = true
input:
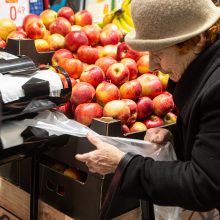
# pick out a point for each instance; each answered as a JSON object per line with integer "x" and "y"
{"x": 65, "y": 83}
{"x": 72, "y": 173}
{"x": 143, "y": 64}
{"x": 46, "y": 35}
{"x": 36, "y": 29}
{"x": 109, "y": 37}
{"x": 123, "y": 51}
{"x": 60, "y": 26}
{"x": 67, "y": 13}
{"x": 153, "y": 121}
{"x": 66, "y": 109}
{"x": 162, "y": 104}
{"x": 130, "y": 89}
{"x": 105, "y": 62}
{"x": 93, "y": 75}
{"x": 76, "y": 28}
{"x": 117, "y": 109}
{"x": 85, "y": 65}
{"x": 118, "y": 73}
{"x": 106, "y": 92}
{"x": 108, "y": 50}
{"x": 73, "y": 67}
{"x": 41, "y": 45}
{"x": 20, "y": 28}
{"x": 29, "y": 19}
{"x": 93, "y": 34}
{"x": 88, "y": 54}
{"x": 60, "y": 54}
{"x": 75, "y": 39}
{"x": 17, "y": 35}
{"x": 132, "y": 66}
{"x": 169, "y": 118}
{"x": 82, "y": 92}
{"x": 112, "y": 27}
{"x": 151, "y": 85}
{"x": 163, "y": 78}
{"x": 2, "y": 43}
{"x": 125, "y": 129}
{"x": 144, "y": 107}
{"x": 83, "y": 18}
{"x": 48, "y": 16}
{"x": 133, "y": 110}
{"x": 73, "y": 110}
{"x": 85, "y": 113}
{"x": 138, "y": 127}
{"x": 56, "y": 41}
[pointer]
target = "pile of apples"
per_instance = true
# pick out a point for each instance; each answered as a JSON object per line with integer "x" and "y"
{"x": 109, "y": 79}
{"x": 48, "y": 30}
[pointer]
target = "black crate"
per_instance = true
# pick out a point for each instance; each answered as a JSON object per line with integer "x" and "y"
{"x": 19, "y": 47}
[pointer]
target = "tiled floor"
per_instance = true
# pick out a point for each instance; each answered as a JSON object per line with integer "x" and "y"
{"x": 189, "y": 215}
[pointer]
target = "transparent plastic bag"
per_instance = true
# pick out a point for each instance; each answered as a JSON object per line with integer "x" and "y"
{"x": 57, "y": 123}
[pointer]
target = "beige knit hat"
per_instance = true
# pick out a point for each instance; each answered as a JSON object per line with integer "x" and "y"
{"x": 163, "y": 23}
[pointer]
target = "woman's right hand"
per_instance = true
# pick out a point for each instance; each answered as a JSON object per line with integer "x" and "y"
{"x": 158, "y": 135}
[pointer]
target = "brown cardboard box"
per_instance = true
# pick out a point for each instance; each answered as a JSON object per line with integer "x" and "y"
{"x": 82, "y": 200}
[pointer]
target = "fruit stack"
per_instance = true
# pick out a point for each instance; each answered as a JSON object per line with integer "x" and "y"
{"x": 108, "y": 78}
{"x": 48, "y": 30}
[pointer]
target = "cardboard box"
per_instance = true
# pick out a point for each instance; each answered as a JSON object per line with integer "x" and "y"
{"x": 81, "y": 200}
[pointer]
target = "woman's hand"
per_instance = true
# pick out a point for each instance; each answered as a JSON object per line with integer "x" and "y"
{"x": 104, "y": 159}
{"x": 158, "y": 135}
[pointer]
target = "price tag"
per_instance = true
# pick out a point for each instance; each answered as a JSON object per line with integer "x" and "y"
{"x": 16, "y": 10}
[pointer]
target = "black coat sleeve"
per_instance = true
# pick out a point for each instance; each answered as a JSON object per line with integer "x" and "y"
{"x": 193, "y": 184}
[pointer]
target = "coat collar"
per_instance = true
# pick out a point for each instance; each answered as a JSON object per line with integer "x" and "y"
{"x": 195, "y": 76}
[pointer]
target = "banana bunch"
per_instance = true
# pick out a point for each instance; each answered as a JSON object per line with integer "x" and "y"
{"x": 108, "y": 18}
{"x": 124, "y": 22}
{"x": 120, "y": 17}
{"x": 126, "y": 6}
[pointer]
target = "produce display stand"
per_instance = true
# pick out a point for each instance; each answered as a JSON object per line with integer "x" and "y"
{"x": 60, "y": 148}
{"x": 34, "y": 140}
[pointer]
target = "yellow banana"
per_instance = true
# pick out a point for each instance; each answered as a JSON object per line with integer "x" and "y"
{"x": 125, "y": 25}
{"x": 125, "y": 3}
{"x": 108, "y": 18}
{"x": 117, "y": 22}
{"x": 128, "y": 19}
{"x": 126, "y": 6}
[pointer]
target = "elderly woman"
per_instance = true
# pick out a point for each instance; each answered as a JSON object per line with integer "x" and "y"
{"x": 182, "y": 39}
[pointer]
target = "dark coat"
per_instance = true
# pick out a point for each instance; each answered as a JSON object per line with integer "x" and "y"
{"x": 193, "y": 181}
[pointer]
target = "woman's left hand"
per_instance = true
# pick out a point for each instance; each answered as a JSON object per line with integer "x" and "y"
{"x": 104, "y": 159}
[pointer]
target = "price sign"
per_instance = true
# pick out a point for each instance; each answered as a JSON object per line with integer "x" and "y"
{"x": 16, "y": 10}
